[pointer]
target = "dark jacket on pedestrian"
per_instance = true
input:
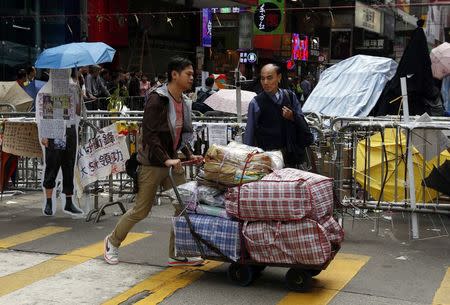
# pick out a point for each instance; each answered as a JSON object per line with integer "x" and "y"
{"x": 156, "y": 141}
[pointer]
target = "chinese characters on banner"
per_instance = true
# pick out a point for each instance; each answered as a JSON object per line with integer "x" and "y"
{"x": 21, "y": 138}
{"x": 207, "y": 28}
{"x": 268, "y": 17}
{"x": 103, "y": 155}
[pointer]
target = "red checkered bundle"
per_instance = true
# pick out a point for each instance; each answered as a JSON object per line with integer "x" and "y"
{"x": 288, "y": 217}
{"x": 302, "y": 242}
{"x": 286, "y": 195}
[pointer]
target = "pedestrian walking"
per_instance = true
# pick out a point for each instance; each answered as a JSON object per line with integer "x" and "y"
{"x": 166, "y": 129}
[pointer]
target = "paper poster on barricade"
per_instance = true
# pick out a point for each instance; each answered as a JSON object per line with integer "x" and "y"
{"x": 217, "y": 134}
{"x": 21, "y": 139}
{"x": 429, "y": 142}
{"x": 55, "y": 112}
{"x": 60, "y": 82}
{"x": 103, "y": 155}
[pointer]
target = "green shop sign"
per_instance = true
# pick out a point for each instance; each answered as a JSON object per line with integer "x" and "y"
{"x": 269, "y": 17}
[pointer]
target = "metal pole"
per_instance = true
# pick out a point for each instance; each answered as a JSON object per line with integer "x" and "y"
{"x": 238, "y": 97}
{"x": 412, "y": 188}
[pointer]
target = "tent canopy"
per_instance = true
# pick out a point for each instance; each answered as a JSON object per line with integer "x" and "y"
{"x": 11, "y": 93}
{"x": 351, "y": 87}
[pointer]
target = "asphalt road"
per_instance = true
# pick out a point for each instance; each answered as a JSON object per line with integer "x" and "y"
{"x": 58, "y": 260}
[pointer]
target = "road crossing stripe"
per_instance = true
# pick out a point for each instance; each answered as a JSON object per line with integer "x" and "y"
{"x": 164, "y": 284}
{"x": 340, "y": 271}
{"x": 23, "y": 278}
{"x": 28, "y": 236}
{"x": 442, "y": 296}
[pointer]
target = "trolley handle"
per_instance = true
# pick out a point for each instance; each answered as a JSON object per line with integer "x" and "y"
{"x": 199, "y": 240}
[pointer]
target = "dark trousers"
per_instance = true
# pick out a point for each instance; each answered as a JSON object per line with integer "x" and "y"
{"x": 61, "y": 158}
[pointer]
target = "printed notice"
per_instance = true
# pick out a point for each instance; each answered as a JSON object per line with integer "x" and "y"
{"x": 217, "y": 134}
{"x": 60, "y": 82}
{"x": 52, "y": 129}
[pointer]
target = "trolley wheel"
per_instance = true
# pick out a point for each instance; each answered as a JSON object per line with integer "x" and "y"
{"x": 298, "y": 280}
{"x": 241, "y": 274}
{"x": 258, "y": 269}
{"x": 314, "y": 272}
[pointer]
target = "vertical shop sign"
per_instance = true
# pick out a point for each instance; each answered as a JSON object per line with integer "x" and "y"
{"x": 245, "y": 31}
{"x": 207, "y": 28}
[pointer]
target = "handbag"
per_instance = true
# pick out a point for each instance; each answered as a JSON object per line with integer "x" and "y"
{"x": 304, "y": 136}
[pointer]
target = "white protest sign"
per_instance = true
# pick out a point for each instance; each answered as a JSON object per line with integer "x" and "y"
{"x": 103, "y": 155}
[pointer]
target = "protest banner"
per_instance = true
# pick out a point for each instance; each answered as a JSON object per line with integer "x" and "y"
{"x": 102, "y": 156}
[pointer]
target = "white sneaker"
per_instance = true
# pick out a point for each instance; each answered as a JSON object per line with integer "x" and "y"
{"x": 185, "y": 261}
{"x": 111, "y": 253}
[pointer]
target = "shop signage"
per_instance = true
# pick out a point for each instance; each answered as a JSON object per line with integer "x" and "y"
{"x": 245, "y": 31}
{"x": 248, "y": 58}
{"x": 373, "y": 44}
{"x": 367, "y": 18}
{"x": 314, "y": 47}
{"x": 269, "y": 17}
{"x": 226, "y": 10}
{"x": 207, "y": 28}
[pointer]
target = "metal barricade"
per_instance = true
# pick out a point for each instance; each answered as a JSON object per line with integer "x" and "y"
{"x": 369, "y": 163}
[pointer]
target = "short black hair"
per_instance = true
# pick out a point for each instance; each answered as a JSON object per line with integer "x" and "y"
{"x": 178, "y": 64}
{"x": 209, "y": 81}
{"x": 21, "y": 74}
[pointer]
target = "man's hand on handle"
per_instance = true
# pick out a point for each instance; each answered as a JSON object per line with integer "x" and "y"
{"x": 175, "y": 163}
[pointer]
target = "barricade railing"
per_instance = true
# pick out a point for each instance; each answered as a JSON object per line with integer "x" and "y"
{"x": 132, "y": 103}
{"x": 220, "y": 130}
{"x": 369, "y": 164}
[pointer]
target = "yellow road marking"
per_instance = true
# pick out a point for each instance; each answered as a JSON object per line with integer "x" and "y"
{"x": 341, "y": 270}
{"x": 164, "y": 284}
{"x": 18, "y": 280}
{"x": 442, "y": 296}
{"x": 28, "y": 236}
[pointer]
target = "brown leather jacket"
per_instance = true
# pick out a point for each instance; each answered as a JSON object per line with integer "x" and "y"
{"x": 155, "y": 142}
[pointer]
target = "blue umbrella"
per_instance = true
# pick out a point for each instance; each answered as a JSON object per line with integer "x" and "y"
{"x": 75, "y": 54}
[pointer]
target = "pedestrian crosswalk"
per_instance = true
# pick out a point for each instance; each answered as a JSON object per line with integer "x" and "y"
{"x": 340, "y": 271}
{"x": 35, "y": 273}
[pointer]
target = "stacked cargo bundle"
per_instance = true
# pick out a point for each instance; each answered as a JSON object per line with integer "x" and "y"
{"x": 287, "y": 217}
{"x": 225, "y": 166}
{"x": 235, "y": 164}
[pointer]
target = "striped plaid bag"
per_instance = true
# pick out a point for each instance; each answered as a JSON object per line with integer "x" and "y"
{"x": 301, "y": 242}
{"x": 286, "y": 195}
{"x": 220, "y": 232}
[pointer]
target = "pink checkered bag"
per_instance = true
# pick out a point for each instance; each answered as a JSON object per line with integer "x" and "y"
{"x": 302, "y": 242}
{"x": 287, "y": 194}
{"x": 335, "y": 232}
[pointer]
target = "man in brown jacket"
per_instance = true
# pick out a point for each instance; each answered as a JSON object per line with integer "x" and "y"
{"x": 166, "y": 128}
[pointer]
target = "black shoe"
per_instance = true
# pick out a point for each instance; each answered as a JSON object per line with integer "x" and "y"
{"x": 48, "y": 208}
{"x": 71, "y": 208}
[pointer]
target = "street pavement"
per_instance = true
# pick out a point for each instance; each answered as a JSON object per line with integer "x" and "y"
{"x": 58, "y": 260}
